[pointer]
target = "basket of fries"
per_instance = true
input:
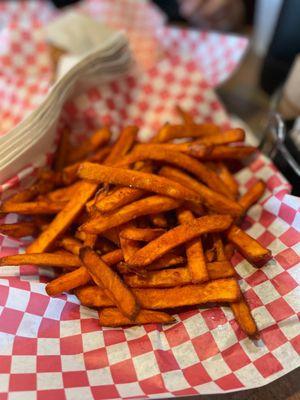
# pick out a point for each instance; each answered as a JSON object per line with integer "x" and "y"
{"x": 154, "y": 254}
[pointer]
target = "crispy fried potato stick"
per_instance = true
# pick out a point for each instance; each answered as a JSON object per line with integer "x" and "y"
{"x": 129, "y": 247}
{"x": 71, "y": 244}
{"x": 79, "y": 276}
{"x": 212, "y": 200}
{"x": 169, "y": 132}
{"x": 101, "y": 223}
{"x": 158, "y": 219}
{"x": 179, "y": 235}
{"x": 137, "y": 179}
{"x": 61, "y": 194}
{"x": 19, "y": 229}
{"x": 40, "y": 187}
{"x": 122, "y": 145}
{"x": 120, "y": 197}
{"x": 177, "y": 276}
{"x": 244, "y": 318}
{"x": 140, "y": 234}
{"x": 227, "y": 178}
{"x": 61, "y": 260}
{"x": 112, "y": 317}
{"x": 253, "y": 251}
{"x": 219, "y": 248}
{"x": 219, "y": 291}
{"x": 99, "y": 138}
{"x": 252, "y": 195}
{"x": 111, "y": 283}
{"x": 166, "y": 261}
{"x": 143, "y": 152}
{"x": 196, "y": 264}
{"x": 69, "y": 173}
{"x": 229, "y": 250}
{"x": 229, "y": 152}
{"x": 63, "y": 219}
{"x": 186, "y": 117}
{"x": 33, "y": 207}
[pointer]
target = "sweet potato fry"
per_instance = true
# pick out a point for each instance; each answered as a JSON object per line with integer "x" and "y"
{"x": 212, "y": 200}
{"x": 140, "y": 234}
{"x": 71, "y": 244}
{"x": 101, "y": 223}
{"x": 244, "y": 318}
{"x": 61, "y": 194}
{"x": 157, "y": 152}
{"x": 252, "y": 195}
{"x": 219, "y": 248}
{"x": 40, "y": 187}
{"x": 169, "y": 132}
{"x": 112, "y": 317}
{"x": 158, "y": 219}
{"x": 166, "y": 261}
{"x": 210, "y": 255}
{"x": 253, "y": 251}
{"x": 96, "y": 140}
{"x": 33, "y": 207}
{"x": 122, "y": 145}
{"x": 62, "y": 151}
{"x": 137, "y": 179}
{"x": 79, "y": 276}
{"x": 229, "y": 152}
{"x": 196, "y": 264}
{"x": 107, "y": 279}
{"x": 177, "y": 276}
{"x": 186, "y": 117}
{"x": 229, "y": 250}
{"x": 118, "y": 198}
{"x": 90, "y": 240}
{"x": 100, "y": 155}
{"x": 129, "y": 247}
{"x": 65, "y": 260}
{"x": 64, "y": 219}
{"x": 227, "y": 178}
{"x": 219, "y": 291}
{"x": 179, "y": 235}
{"x": 19, "y": 229}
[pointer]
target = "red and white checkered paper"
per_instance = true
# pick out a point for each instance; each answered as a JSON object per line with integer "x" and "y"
{"x": 54, "y": 348}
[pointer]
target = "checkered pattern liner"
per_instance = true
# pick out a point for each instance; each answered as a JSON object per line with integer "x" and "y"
{"x": 54, "y": 348}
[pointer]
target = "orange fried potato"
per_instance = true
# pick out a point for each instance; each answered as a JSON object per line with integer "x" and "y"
{"x": 79, "y": 276}
{"x": 100, "y": 223}
{"x": 137, "y": 179}
{"x": 179, "y": 235}
{"x": 65, "y": 260}
{"x": 252, "y": 195}
{"x": 112, "y": 317}
{"x": 157, "y": 152}
{"x": 178, "y": 276}
{"x": 212, "y": 200}
{"x": 253, "y": 251}
{"x": 244, "y": 318}
{"x": 140, "y": 234}
{"x": 33, "y": 207}
{"x": 19, "y": 229}
{"x": 64, "y": 219}
{"x": 111, "y": 283}
{"x": 194, "y": 251}
{"x": 220, "y": 290}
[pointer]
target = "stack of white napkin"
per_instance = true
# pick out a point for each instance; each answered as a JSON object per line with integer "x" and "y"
{"x": 106, "y": 57}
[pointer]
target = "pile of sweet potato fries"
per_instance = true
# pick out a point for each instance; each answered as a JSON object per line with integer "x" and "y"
{"x": 136, "y": 228}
